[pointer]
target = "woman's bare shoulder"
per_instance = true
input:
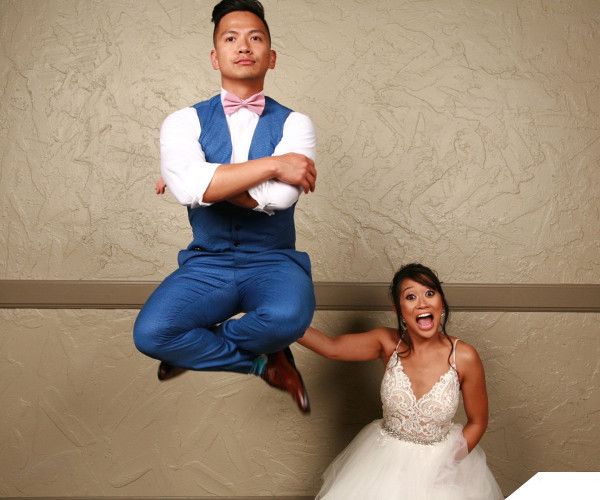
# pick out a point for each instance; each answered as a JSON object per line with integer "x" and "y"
{"x": 387, "y": 336}
{"x": 386, "y": 332}
{"x": 466, "y": 355}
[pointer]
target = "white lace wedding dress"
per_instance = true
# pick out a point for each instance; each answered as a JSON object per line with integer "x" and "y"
{"x": 408, "y": 454}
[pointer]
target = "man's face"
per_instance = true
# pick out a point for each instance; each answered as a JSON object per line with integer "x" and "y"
{"x": 242, "y": 50}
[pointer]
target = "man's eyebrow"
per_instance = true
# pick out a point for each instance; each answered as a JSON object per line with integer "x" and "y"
{"x": 251, "y": 32}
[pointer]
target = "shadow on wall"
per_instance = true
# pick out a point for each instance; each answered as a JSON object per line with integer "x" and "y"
{"x": 352, "y": 392}
{"x": 347, "y": 392}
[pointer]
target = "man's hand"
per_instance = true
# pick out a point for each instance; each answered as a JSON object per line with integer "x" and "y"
{"x": 160, "y": 186}
{"x": 297, "y": 170}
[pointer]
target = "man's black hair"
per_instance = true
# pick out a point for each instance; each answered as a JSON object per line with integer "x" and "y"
{"x": 225, "y": 7}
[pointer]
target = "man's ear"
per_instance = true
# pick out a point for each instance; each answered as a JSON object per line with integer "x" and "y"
{"x": 272, "y": 59}
{"x": 213, "y": 59}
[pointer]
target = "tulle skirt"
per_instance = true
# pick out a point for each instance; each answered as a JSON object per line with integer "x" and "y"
{"x": 377, "y": 466}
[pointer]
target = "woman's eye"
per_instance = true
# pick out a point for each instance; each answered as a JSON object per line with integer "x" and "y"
{"x": 410, "y": 296}
{"x": 430, "y": 293}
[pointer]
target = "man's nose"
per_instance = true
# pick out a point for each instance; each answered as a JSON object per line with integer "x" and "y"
{"x": 243, "y": 46}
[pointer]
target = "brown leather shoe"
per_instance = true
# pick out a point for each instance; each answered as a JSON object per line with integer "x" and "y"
{"x": 167, "y": 371}
{"x": 281, "y": 373}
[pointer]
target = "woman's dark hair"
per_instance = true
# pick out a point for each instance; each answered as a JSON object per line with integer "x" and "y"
{"x": 225, "y": 7}
{"x": 426, "y": 277}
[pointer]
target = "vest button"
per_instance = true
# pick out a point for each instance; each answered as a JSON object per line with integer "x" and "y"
{"x": 236, "y": 243}
{"x": 237, "y": 227}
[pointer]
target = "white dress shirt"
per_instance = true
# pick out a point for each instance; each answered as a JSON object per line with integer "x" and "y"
{"x": 187, "y": 173}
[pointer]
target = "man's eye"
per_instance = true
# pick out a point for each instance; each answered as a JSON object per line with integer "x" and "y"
{"x": 229, "y": 39}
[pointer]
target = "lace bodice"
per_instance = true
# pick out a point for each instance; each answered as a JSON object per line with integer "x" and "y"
{"x": 426, "y": 420}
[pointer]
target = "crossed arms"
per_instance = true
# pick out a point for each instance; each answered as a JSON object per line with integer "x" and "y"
{"x": 265, "y": 184}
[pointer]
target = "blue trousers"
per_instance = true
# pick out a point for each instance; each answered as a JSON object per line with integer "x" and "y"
{"x": 187, "y": 321}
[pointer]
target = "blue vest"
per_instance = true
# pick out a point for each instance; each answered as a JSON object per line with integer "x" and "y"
{"x": 223, "y": 226}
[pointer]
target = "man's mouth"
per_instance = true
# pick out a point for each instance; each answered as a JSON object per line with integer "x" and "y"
{"x": 244, "y": 62}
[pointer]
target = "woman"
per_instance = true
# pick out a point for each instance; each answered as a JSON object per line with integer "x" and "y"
{"x": 415, "y": 451}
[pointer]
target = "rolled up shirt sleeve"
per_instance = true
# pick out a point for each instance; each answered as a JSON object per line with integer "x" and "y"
{"x": 182, "y": 162}
{"x": 298, "y": 137}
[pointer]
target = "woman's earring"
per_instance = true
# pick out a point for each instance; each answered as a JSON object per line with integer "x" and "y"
{"x": 402, "y": 325}
{"x": 441, "y": 325}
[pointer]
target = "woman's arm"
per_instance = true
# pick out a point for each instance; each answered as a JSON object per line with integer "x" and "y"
{"x": 474, "y": 393}
{"x": 350, "y": 346}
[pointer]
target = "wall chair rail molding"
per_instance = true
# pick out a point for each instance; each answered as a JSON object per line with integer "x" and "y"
{"x": 331, "y": 296}
{"x": 156, "y": 498}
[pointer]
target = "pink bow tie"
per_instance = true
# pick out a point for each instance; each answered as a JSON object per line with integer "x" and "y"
{"x": 255, "y": 103}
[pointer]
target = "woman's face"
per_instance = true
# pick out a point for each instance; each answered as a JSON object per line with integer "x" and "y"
{"x": 421, "y": 307}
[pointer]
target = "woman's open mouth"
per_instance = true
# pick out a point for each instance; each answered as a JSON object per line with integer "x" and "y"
{"x": 425, "y": 321}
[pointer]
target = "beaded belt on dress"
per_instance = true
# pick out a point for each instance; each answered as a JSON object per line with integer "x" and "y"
{"x": 404, "y": 437}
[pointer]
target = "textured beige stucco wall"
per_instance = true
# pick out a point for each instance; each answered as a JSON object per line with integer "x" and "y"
{"x": 83, "y": 413}
{"x": 464, "y": 134}
{"x": 461, "y": 133}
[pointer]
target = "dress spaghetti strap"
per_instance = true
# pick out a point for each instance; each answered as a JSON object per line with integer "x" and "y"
{"x": 397, "y": 345}
{"x": 453, "y": 362}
